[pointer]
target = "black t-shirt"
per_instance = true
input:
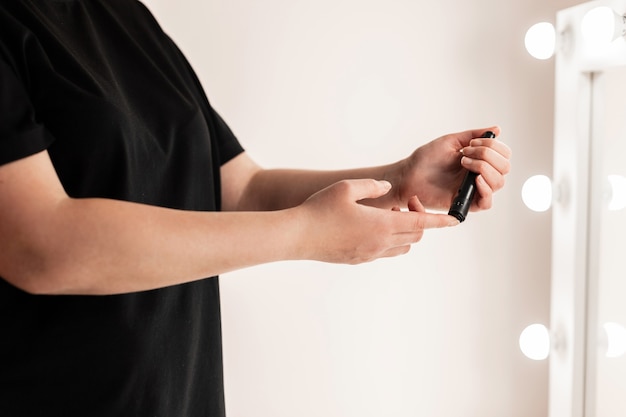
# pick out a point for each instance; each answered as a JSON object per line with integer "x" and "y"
{"x": 122, "y": 115}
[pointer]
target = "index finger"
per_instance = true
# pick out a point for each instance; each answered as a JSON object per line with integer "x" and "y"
{"x": 437, "y": 220}
{"x": 493, "y": 144}
{"x": 466, "y": 136}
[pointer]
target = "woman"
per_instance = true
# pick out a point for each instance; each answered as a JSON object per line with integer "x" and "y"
{"x": 122, "y": 190}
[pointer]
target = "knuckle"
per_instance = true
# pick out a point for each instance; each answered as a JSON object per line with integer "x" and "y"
{"x": 364, "y": 253}
{"x": 418, "y": 225}
{"x": 507, "y": 168}
{"x": 495, "y": 183}
{"x": 482, "y": 165}
{"x": 482, "y": 152}
{"x": 403, "y": 250}
{"x": 343, "y": 185}
{"x": 500, "y": 183}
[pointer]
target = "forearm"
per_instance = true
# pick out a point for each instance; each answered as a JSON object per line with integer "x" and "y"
{"x": 98, "y": 246}
{"x": 275, "y": 189}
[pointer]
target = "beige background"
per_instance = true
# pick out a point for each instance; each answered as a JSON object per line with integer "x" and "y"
{"x": 340, "y": 83}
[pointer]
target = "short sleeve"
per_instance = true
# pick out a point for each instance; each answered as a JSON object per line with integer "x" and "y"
{"x": 20, "y": 134}
{"x": 227, "y": 142}
{"x": 228, "y": 146}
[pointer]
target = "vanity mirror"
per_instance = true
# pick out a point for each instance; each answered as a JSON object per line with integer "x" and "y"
{"x": 588, "y": 313}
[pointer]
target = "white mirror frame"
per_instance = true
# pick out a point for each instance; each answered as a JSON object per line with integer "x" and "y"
{"x": 578, "y": 85}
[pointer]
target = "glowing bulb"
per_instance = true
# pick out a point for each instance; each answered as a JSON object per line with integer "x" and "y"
{"x": 617, "y": 191}
{"x": 535, "y": 342}
{"x": 616, "y": 335}
{"x": 540, "y": 40}
{"x": 601, "y": 26}
{"x": 537, "y": 193}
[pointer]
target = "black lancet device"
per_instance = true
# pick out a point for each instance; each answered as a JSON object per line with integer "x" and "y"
{"x": 463, "y": 200}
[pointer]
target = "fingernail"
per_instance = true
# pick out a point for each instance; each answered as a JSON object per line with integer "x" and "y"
{"x": 454, "y": 222}
{"x": 386, "y": 184}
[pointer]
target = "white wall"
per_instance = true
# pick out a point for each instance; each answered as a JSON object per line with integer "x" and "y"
{"x": 339, "y": 83}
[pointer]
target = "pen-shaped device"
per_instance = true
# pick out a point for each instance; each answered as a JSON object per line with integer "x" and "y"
{"x": 463, "y": 200}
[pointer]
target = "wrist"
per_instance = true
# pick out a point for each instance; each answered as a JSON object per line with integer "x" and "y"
{"x": 395, "y": 174}
{"x": 296, "y": 234}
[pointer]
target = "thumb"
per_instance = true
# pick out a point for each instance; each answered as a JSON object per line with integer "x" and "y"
{"x": 466, "y": 137}
{"x": 362, "y": 189}
{"x": 415, "y": 204}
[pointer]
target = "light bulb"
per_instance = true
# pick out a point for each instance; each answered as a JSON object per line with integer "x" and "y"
{"x": 540, "y": 40}
{"x": 534, "y": 341}
{"x": 537, "y": 193}
{"x": 617, "y": 190}
{"x": 601, "y": 26}
{"x": 616, "y": 336}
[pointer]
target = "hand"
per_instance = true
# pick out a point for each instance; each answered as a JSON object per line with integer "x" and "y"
{"x": 337, "y": 228}
{"x": 435, "y": 171}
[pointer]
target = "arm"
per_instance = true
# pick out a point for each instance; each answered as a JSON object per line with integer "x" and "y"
{"x": 246, "y": 186}
{"x": 53, "y": 244}
{"x": 50, "y": 243}
{"x": 433, "y": 173}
